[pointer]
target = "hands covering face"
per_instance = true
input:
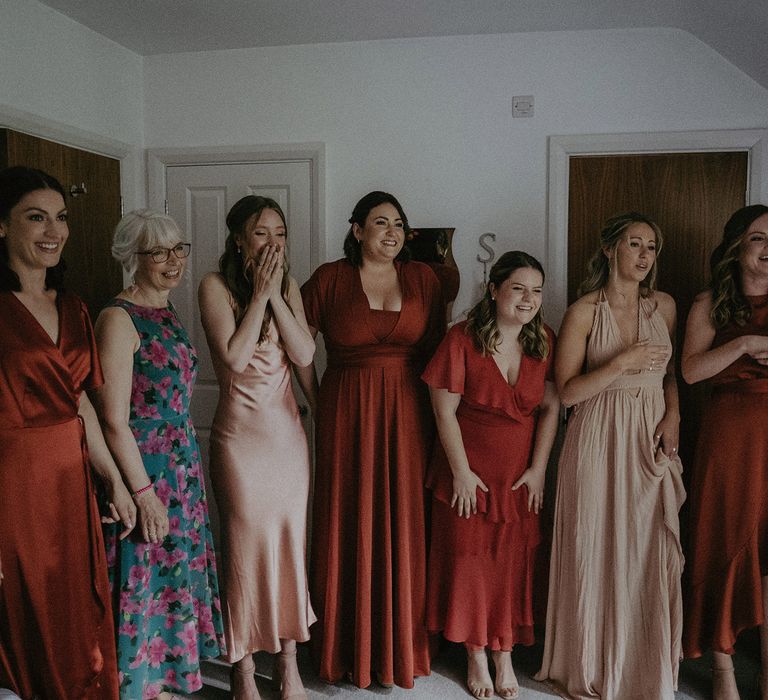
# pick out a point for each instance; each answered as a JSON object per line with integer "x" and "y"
{"x": 266, "y": 270}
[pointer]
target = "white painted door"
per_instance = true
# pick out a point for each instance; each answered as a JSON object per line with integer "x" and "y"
{"x": 199, "y": 197}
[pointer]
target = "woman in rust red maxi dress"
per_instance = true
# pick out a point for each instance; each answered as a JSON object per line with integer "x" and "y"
{"x": 726, "y": 343}
{"x": 496, "y": 407}
{"x": 381, "y": 319}
{"x": 56, "y": 634}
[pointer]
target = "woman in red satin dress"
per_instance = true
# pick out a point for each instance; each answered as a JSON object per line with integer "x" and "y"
{"x": 381, "y": 318}
{"x": 56, "y": 633}
{"x": 726, "y": 344}
{"x": 496, "y": 407}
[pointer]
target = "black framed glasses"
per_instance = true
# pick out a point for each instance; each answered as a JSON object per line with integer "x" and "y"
{"x": 160, "y": 255}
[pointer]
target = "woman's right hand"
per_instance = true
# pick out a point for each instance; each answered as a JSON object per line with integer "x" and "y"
{"x": 465, "y": 485}
{"x": 642, "y": 356}
{"x": 756, "y": 346}
{"x": 266, "y": 272}
{"x": 153, "y": 516}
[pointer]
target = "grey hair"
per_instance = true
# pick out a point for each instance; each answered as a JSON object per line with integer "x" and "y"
{"x": 142, "y": 229}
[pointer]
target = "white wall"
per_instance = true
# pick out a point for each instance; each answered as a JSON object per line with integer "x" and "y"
{"x": 430, "y": 119}
{"x": 61, "y": 80}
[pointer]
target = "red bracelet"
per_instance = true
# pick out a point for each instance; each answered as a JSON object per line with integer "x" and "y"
{"x": 142, "y": 490}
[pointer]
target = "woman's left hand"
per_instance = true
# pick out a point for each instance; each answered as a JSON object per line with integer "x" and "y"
{"x": 534, "y": 481}
{"x": 122, "y": 509}
{"x": 666, "y": 437}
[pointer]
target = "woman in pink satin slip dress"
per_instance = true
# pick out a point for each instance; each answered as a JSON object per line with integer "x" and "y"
{"x": 254, "y": 322}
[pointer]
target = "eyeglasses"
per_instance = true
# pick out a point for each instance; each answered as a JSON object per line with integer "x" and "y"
{"x": 160, "y": 255}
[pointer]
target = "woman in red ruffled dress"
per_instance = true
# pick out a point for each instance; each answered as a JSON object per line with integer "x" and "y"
{"x": 496, "y": 407}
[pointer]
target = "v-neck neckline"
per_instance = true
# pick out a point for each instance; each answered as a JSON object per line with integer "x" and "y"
{"x": 367, "y": 304}
{"x": 57, "y": 342}
{"x": 615, "y": 323}
{"x": 513, "y": 387}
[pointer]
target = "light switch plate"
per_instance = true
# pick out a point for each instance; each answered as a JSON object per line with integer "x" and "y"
{"x": 522, "y": 106}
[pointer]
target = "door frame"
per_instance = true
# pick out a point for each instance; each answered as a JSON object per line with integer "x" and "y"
{"x": 159, "y": 159}
{"x": 130, "y": 156}
{"x": 562, "y": 148}
{"x": 214, "y": 671}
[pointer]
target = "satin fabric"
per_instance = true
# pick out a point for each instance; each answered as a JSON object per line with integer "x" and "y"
{"x": 728, "y": 543}
{"x": 260, "y": 472}
{"x": 374, "y": 435}
{"x": 56, "y": 633}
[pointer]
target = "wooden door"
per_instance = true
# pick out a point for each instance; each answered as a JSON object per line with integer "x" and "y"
{"x": 91, "y": 271}
{"x": 690, "y": 196}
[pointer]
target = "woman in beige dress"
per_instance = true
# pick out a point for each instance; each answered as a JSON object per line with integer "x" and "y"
{"x": 254, "y": 322}
{"x": 614, "y": 613}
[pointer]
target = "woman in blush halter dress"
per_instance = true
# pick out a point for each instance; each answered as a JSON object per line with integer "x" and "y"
{"x": 254, "y": 322}
{"x": 614, "y": 614}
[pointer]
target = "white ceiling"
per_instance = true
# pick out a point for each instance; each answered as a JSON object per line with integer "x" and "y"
{"x": 737, "y": 29}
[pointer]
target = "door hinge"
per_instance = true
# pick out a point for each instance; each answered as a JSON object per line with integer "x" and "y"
{"x": 166, "y": 206}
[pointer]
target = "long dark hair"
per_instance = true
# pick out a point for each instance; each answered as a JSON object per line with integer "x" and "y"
{"x": 728, "y": 300}
{"x": 360, "y": 213}
{"x": 598, "y": 267}
{"x": 481, "y": 320}
{"x": 232, "y": 262}
{"x": 15, "y": 183}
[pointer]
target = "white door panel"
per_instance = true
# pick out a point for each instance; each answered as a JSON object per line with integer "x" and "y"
{"x": 199, "y": 197}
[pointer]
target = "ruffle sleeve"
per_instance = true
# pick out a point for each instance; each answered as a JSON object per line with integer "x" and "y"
{"x": 447, "y": 368}
{"x": 497, "y": 422}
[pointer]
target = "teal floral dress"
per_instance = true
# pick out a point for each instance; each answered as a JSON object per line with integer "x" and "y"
{"x": 165, "y": 596}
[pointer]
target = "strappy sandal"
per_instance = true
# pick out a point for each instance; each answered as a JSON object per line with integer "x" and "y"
{"x": 506, "y": 688}
{"x": 479, "y": 687}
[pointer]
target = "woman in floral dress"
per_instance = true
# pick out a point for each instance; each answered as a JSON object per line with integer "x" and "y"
{"x": 165, "y": 592}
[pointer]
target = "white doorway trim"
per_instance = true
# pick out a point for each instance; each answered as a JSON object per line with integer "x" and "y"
{"x": 158, "y": 159}
{"x": 561, "y": 148}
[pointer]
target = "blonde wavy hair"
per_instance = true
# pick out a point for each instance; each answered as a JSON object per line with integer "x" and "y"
{"x": 613, "y": 233}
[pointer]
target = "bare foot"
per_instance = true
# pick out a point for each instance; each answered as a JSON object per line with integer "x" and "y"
{"x": 478, "y": 677}
{"x": 291, "y": 687}
{"x": 382, "y": 682}
{"x": 506, "y": 681}
{"x": 242, "y": 682}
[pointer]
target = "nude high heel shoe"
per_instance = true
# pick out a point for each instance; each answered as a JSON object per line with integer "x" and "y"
{"x": 724, "y": 684}
{"x": 286, "y": 676}
{"x": 242, "y": 683}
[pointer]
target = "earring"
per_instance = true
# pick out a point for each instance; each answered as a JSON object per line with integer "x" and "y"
{"x": 238, "y": 250}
